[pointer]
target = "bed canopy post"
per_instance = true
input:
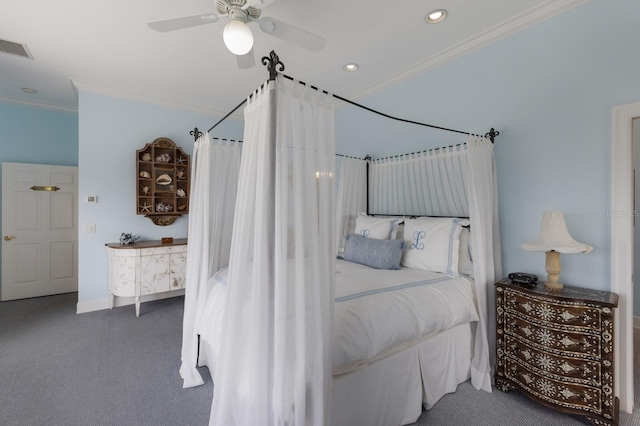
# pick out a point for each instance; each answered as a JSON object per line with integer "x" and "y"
{"x": 367, "y": 158}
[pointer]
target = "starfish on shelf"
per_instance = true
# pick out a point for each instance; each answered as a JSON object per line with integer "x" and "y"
{"x": 181, "y": 160}
{"x": 145, "y": 208}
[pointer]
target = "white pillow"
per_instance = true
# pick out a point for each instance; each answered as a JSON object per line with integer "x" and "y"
{"x": 433, "y": 244}
{"x": 465, "y": 262}
{"x": 380, "y": 228}
{"x": 400, "y": 232}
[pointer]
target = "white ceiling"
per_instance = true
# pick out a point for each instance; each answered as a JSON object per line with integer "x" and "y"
{"x": 105, "y": 46}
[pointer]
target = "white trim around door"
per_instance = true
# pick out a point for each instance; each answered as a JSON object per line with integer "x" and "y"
{"x": 622, "y": 245}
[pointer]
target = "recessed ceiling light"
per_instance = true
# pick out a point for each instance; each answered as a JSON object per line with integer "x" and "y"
{"x": 29, "y": 90}
{"x": 351, "y": 67}
{"x": 436, "y": 16}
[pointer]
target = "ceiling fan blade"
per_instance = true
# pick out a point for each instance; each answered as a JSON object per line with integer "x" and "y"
{"x": 184, "y": 22}
{"x": 291, "y": 34}
{"x": 258, "y": 4}
{"x": 246, "y": 61}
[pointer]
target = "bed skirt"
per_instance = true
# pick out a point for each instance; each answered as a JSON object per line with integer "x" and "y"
{"x": 393, "y": 390}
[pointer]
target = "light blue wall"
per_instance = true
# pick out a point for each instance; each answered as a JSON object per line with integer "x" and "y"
{"x": 111, "y": 130}
{"x": 37, "y": 136}
{"x": 549, "y": 90}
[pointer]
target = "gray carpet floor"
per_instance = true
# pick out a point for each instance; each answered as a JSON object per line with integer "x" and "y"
{"x": 111, "y": 368}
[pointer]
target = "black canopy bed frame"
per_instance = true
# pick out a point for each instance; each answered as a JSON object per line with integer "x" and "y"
{"x": 275, "y": 65}
{"x": 456, "y": 337}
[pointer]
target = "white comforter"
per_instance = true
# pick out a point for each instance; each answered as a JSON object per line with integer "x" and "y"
{"x": 376, "y": 312}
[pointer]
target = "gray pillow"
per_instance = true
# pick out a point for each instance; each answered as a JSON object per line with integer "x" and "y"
{"x": 379, "y": 254}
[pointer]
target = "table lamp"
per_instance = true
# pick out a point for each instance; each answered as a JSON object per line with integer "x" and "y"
{"x": 554, "y": 239}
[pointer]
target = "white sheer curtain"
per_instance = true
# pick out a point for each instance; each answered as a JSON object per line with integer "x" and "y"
{"x": 214, "y": 182}
{"x": 482, "y": 193}
{"x": 455, "y": 181}
{"x": 352, "y": 196}
{"x": 276, "y": 343}
{"x": 430, "y": 183}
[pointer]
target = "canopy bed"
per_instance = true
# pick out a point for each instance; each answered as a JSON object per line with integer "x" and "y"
{"x": 290, "y": 334}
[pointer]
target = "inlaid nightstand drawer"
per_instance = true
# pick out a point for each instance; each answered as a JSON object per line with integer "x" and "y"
{"x": 576, "y": 344}
{"x": 544, "y": 309}
{"x": 556, "y": 367}
{"x": 568, "y": 395}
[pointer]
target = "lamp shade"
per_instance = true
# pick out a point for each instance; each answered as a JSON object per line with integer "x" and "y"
{"x": 554, "y": 236}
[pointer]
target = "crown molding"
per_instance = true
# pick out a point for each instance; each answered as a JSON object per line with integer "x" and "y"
{"x": 36, "y": 104}
{"x": 122, "y": 94}
{"x": 491, "y": 35}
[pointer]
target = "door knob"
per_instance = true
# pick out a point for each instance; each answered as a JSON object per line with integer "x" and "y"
{"x": 9, "y": 237}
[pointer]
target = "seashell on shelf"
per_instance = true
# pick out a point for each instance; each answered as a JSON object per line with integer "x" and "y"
{"x": 145, "y": 189}
{"x": 180, "y": 192}
{"x": 146, "y": 157}
{"x": 164, "y": 179}
{"x": 145, "y": 174}
{"x": 162, "y": 207}
{"x": 163, "y": 158}
{"x": 182, "y": 207}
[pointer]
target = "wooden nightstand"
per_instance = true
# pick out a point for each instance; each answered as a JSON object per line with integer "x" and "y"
{"x": 557, "y": 348}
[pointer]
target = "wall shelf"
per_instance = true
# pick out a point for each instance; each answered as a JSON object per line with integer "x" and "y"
{"x": 163, "y": 172}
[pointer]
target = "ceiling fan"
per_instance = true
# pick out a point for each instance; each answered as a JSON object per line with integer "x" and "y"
{"x": 237, "y": 35}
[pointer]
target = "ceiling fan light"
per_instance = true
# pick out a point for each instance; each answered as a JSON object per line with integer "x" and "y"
{"x": 238, "y": 37}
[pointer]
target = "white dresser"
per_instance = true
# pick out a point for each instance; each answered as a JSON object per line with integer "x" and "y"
{"x": 146, "y": 267}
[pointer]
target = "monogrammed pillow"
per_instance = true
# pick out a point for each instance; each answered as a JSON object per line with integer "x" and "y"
{"x": 380, "y": 228}
{"x": 432, "y": 244}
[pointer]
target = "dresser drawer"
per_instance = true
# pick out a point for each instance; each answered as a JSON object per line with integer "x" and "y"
{"x": 555, "y": 311}
{"x": 577, "y": 344}
{"x": 556, "y": 367}
{"x": 568, "y": 395}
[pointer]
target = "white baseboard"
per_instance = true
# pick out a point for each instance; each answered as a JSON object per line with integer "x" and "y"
{"x": 636, "y": 322}
{"x": 92, "y": 305}
{"x": 101, "y": 304}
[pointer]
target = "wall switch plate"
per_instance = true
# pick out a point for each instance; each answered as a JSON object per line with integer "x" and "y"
{"x": 92, "y": 199}
{"x": 89, "y": 229}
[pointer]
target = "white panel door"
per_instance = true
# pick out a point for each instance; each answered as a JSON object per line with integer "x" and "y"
{"x": 39, "y": 230}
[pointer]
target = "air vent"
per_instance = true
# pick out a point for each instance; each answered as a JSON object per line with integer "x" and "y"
{"x": 15, "y": 49}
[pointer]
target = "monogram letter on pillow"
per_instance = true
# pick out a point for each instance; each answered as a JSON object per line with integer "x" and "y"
{"x": 432, "y": 244}
{"x": 380, "y": 228}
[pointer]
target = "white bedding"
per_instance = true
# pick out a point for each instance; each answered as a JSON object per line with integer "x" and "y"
{"x": 376, "y": 312}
